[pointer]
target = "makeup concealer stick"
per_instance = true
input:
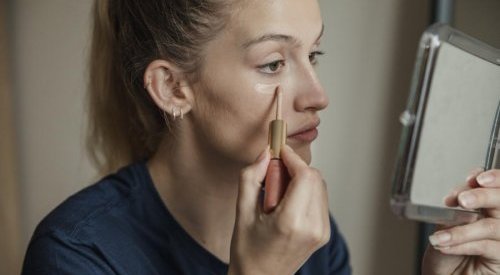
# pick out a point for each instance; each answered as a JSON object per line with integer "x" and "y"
{"x": 277, "y": 176}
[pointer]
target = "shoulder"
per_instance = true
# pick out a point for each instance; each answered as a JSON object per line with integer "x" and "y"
{"x": 71, "y": 237}
{"x": 92, "y": 203}
{"x": 338, "y": 251}
{"x": 58, "y": 253}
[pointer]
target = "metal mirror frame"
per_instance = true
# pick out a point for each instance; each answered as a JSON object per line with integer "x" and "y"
{"x": 412, "y": 118}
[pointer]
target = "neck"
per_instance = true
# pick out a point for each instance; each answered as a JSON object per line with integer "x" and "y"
{"x": 200, "y": 189}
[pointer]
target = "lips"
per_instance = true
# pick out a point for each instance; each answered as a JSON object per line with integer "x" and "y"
{"x": 307, "y": 133}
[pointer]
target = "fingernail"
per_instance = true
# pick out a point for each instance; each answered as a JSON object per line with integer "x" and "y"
{"x": 485, "y": 179}
{"x": 262, "y": 155}
{"x": 467, "y": 200}
{"x": 439, "y": 238}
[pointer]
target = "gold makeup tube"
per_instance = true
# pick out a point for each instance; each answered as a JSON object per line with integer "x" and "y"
{"x": 276, "y": 180}
{"x": 277, "y": 128}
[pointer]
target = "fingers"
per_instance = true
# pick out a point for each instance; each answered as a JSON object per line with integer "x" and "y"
{"x": 480, "y": 198}
{"x": 482, "y": 237}
{"x": 292, "y": 161}
{"x": 490, "y": 178}
{"x": 306, "y": 185}
{"x": 484, "y": 248}
{"x": 471, "y": 178}
{"x": 452, "y": 199}
{"x": 250, "y": 186}
{"x": 487, "y": 228}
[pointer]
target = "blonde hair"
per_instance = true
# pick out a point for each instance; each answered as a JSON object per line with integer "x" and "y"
{"x": 124, "y": 125}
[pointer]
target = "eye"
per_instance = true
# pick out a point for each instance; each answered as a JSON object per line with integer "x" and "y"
{"x": 273, "y": 67}
{"x": 313, "y": 57}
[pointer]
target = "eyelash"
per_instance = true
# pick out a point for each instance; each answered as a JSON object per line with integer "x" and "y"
{"x": 266, "y": 68}
{"x": 313, "y": 57}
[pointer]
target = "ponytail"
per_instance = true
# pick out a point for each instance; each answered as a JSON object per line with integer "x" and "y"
{"x": 119, "y": 130}
{"x": 124, "y": 125}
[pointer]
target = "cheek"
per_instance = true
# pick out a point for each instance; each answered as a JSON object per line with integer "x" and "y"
{"x": 231, "y": 121}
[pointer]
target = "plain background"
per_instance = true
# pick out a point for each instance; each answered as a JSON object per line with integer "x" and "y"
{"x": 370, "y": 48}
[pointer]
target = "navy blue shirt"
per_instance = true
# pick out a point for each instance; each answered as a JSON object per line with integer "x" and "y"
{"x": 120, "y": 225}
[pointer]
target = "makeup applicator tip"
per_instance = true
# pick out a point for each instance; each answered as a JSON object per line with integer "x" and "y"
{"x": 279, "y": 101}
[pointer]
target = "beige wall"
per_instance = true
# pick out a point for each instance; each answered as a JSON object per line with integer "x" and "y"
{"x": 370, "y": 48}
{"x": 49, "y": 42}
{"x": 9, "y": 193}
{"x": 480, "y": 18}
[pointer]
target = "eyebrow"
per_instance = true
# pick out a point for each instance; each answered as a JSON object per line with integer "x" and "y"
{"x": 278, "y": 38}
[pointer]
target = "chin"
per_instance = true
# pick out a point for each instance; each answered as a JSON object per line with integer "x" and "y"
{"x": 304, "y": 152}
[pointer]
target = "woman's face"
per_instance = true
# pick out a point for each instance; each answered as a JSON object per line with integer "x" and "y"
{"x": 265, "y": 44}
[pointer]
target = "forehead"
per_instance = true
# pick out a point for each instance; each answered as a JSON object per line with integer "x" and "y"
{"x": 298, "y": 18}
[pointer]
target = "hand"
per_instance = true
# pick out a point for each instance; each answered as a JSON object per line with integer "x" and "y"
{"x": 473, "y": 248}
{"x": 281, "y": 241}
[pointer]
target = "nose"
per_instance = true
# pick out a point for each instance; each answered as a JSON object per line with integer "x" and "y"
{"x": 310, "y": 94}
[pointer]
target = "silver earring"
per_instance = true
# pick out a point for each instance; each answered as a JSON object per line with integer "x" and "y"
{"x": 174, "y": 113}
{"x": 177, "y": 112}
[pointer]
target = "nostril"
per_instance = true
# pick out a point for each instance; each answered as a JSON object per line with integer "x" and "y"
{"x": 311, "y": 100}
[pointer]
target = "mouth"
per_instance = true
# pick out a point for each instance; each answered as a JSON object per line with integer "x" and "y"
{"x": 307, "y": 133}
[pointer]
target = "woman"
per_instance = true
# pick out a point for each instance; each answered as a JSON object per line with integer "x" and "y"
{"x": 181, "y": 94}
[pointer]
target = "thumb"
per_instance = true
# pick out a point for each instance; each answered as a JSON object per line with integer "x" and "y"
{"x": 250, "y": 186}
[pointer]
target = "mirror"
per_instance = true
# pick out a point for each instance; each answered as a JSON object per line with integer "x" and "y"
{"x": 450, "y": 125}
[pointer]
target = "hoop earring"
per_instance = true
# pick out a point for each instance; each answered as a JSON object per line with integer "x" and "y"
{"x": 174, "y": 113}
{"x": 177, "y": 112}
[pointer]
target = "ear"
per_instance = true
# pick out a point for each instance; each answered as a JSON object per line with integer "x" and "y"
{"x": 168, "y": 87}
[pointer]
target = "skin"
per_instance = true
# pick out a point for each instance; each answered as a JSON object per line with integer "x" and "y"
{"x": 225, "y": 128}
{"x": 225, "y": 123}
{"x": 473, "y": 248}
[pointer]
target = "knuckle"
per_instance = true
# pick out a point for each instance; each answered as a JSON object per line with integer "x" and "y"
{"x": 481, "y": 195}
{"x": 325, "y": 236}
{"x": 311, "y": 175}
{"x": 311, "y": 236}
{"x": 496, "y": 173}
{"x": 474, "y": 248}
{"x": 246, "y": 174}
{"x": 317, "y": 237}
{"x": 325, "y": 187}
{"x": 287, "y": 225}
{"x": 324, "y": 240}
{"x": 308, "y": 174}
{"x": 317, "y": 175}
{"x": 316, "y": 172}
{"x": 491, "y": 226}
{"x": 457, "y": 234}
{"x": 489, "y": 248}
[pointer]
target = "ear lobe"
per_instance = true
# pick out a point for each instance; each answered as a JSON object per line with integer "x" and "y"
{"x": 162, "y": 81}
